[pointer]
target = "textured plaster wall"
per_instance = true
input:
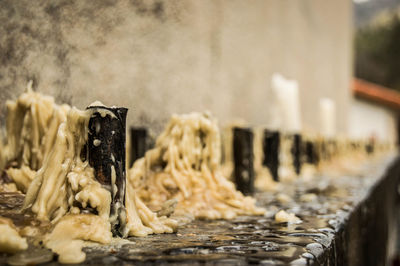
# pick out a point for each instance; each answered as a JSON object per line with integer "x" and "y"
{"x": 162, "y": 57}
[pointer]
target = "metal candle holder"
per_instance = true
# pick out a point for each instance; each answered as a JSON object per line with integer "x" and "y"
{"x": 243, "y": 159}
{"x": 106, "y": 154}
{"x": 296, "y": 153}
{"x": 138, "y": 144}
{"x": 271, "y": 145}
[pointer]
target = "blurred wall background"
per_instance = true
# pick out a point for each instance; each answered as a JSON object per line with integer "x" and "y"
{"x": 159, "y": 57}
{"x": 367, "y": 119}
{"x": 377, "y": 66}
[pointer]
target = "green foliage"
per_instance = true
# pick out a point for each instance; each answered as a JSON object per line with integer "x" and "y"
{"x": 377, "y": 53}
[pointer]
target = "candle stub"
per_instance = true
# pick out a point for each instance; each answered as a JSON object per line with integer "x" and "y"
{"x": 327, "y": 112}
{"x": 287, "y": 97}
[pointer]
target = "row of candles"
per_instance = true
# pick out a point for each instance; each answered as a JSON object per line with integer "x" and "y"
{"x": 287, "y": 116}
{"x": 283, "y": 147}
{"x": 291, "y": 152}
{"x": 278, "y": 150}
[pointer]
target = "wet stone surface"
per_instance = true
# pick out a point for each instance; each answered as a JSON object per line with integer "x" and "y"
{"x": 244, "y": 240}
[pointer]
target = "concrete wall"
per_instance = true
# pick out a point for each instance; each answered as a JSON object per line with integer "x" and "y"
{"x": 367, "y": 119}
{"x": 159, "y": 57}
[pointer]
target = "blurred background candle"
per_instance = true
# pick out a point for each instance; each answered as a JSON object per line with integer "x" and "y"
{"x": 287, "y": 97}
{"x": 327, "y": 110}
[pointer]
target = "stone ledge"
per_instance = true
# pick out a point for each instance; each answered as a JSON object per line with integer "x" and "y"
{"x": 349, "y": 222}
